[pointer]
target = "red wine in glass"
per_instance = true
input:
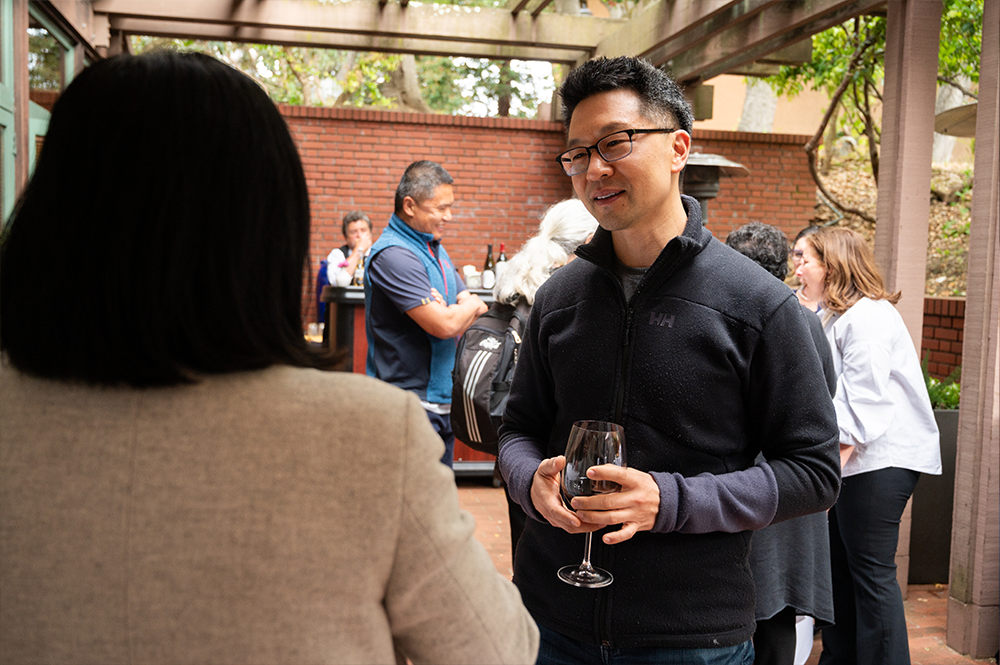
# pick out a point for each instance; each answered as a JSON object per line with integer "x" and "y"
{"x": 591, "y": 443}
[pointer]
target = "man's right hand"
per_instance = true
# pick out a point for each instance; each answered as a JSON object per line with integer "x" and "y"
{"x": 547, "y": 499}
{"x": 472, "y": 298}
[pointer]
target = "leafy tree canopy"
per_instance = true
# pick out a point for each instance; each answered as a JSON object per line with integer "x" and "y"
{"x": 44, "y": 60}
{"x": 327, "y": 77}
{"x": 848, "y": 63}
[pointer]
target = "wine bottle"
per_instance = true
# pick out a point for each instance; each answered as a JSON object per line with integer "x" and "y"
{"x": 489, "y": 275}
{"x": 501, "y": 262}
{"x": 359, "y": 273}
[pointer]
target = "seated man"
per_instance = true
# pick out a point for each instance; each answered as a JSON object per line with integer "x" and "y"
{"x": 343, "y": 262}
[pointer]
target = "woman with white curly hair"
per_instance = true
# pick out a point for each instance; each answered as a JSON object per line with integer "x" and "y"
{"x": 565, "y": 226}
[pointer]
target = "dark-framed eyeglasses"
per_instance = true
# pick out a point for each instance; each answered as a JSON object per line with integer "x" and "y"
{"x": 611, "y": 148}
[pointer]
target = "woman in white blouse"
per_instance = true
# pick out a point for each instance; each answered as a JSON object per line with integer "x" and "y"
{"x": 888, "y": 437}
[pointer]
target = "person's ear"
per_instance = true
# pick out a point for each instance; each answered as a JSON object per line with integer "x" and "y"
{"x": 409, "y": 205}
{"x": 681, "y": 150}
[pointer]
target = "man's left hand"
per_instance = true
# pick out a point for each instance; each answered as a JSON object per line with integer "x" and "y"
{"x": 635, "y": 507}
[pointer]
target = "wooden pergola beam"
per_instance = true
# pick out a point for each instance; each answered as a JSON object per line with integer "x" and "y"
{"x": 345, "y": 41}
{"x": 533, "y": 7}
{"x": 767, "y": 31}
{"x": 679, "y": 24}
{"x": 699, "y": 39}
{"x": 402, "y": 29}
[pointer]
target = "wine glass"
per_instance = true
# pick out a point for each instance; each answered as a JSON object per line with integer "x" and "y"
{"x": 591, "y": 443}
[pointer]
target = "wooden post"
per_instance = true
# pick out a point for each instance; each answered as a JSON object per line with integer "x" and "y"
{"x": 22, "y": 132}
{"x": 974, "y": 587}
{"x": 911, "y": 64}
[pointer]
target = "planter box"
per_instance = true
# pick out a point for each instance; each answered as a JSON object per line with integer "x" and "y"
{"x": 930, "y": 529}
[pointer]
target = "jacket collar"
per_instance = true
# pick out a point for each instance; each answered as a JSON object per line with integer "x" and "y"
{"x": 397, "y": 224}
{"x": 600, "y": 250}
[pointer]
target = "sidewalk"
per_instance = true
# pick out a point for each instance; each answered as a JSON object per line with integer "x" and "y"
{"x": 926, "y": 605}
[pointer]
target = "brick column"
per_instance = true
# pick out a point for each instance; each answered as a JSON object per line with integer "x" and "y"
{"x": 974, "y": 585}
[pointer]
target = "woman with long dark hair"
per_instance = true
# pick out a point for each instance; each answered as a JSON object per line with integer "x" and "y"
{"x": 179, "y": 480}
{"x": 888, "y": 437}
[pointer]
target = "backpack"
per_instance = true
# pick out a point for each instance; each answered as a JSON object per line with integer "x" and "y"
{"x": 484, "y": 366}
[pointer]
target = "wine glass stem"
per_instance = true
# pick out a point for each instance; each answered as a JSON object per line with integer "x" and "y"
{"x": 586, "y": 553}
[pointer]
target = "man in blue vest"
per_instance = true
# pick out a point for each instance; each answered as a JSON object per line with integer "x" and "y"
{"x": 416, "y": 305}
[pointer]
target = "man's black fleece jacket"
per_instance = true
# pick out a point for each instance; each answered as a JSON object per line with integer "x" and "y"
{"x": 709, "y": 363}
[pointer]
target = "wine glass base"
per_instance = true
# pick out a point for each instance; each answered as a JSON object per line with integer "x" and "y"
{"x": 594, "y": 578}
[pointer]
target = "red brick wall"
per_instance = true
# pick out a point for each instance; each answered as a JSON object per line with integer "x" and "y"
{"x": 941, "y": 343}
{"x": 506, "y": 176}
{"x": 778, "y": 191}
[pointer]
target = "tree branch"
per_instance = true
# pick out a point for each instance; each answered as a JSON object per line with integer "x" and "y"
{"x": 811, "y": 145}
{"x": 839, "y": 92}
{"x": 957, "y": 86}
{"x": 866, "y": 111}
{"x": 829, "y": 195}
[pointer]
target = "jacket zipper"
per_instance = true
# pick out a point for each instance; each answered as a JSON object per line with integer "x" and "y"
{"x": 444, "y": 275}
{"x": 626, "y": 358}
{"x": 626, "y": 349}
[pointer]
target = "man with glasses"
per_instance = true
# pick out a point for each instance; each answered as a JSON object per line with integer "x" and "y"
{"x": 704, "y": 358}
{"x": 415, "y": 301}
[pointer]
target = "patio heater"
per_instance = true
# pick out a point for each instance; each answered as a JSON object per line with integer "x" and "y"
{"x": 702, "y": 175}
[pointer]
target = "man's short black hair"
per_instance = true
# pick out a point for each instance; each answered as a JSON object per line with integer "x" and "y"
{"x": 352, "y": 217}
{"x": 662, "y": 99}
{"x": 763, "y": 243}
{"x": 420, "y": 181}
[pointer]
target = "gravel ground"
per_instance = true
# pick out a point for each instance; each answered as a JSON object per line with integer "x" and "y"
{"x": 852, "y": 183}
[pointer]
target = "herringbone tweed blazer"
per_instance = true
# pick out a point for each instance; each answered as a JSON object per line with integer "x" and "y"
{"x": 278, "y": 516}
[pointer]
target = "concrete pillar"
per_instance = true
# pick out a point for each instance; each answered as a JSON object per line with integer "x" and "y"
{"x": 974, "y": 585}
{"x": 22, "y": 133}
{"x": 910, "y": 91}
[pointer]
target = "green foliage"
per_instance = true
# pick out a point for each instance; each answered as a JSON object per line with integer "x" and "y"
{"x": 961, "y": 39}
{"x": 290, "y": 75}
{"x": 832, "y": 50}
{"x": 959, "y": 50}
{"x": 959, "y": 54}
{"x": 363, "y": 85}
{"x": 312, "y": 76}
{"x": 943, "y": 394}
{"x": 952, "y": 228}
{"x": 44, "y": 60}
{"x": 439, "y": 83}
{"x": 475, "y": 86}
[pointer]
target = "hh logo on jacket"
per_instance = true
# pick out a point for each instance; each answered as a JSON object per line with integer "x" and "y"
{"x": 661, "y": 319}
